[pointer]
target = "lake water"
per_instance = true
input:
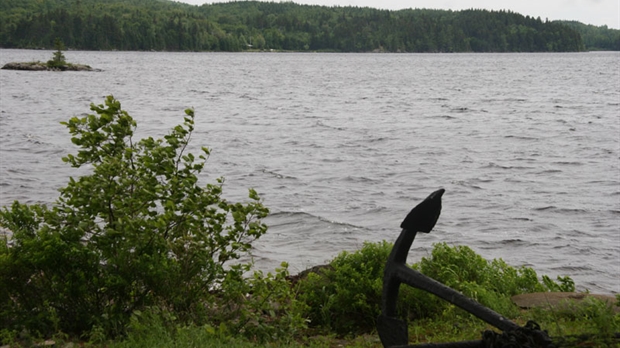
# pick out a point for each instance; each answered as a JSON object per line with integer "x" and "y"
{"x": 342, "y": 146}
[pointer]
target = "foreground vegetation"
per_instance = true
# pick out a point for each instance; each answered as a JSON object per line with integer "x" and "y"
{"x": 139, "y": 254}
{"x": 164, "y": 25}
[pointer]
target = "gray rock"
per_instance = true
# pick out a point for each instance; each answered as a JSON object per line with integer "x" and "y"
{"x": 560, "y": 300}
{"x": 39, "y": 66}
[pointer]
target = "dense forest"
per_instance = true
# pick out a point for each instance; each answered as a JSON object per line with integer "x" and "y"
{"x": 596, "y": 38}
{"x": 163, "y": 25}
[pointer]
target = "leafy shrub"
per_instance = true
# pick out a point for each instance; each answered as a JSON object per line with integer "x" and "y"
{"x": 459, "y": 265}
{"x": 261, "y": 308}
{"x": 491, "y": 283}
{"x": 136, "y": 233}
{"x": 563, "y": 284}
{"x": 346, "y": 297}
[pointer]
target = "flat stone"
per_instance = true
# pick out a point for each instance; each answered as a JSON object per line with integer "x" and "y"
{"x": 559, "y": 299}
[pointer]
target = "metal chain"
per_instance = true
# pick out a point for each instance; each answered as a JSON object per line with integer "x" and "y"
{"x": 528, "y": 336}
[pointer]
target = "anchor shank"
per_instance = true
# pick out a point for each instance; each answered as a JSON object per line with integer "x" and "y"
{"x": 391, "y": 282}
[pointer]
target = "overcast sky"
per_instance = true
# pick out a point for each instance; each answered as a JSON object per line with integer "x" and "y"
{"x": 597, "y": 12}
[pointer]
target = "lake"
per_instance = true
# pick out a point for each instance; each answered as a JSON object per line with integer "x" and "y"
{"x": 342, "y": 146}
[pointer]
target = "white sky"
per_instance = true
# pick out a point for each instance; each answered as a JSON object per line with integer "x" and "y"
{"x": 597, "y": 12}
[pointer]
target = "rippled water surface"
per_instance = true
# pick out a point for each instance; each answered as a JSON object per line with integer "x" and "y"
{"x": 342, "y": 146}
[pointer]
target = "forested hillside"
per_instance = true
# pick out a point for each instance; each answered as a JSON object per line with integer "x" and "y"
{"x": 597, "y": 38}
{"x": 163, "y": 25}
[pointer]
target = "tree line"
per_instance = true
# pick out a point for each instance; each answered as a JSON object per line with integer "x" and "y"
{"x": 163, "y": 25}
{"x": 596, "y": 38}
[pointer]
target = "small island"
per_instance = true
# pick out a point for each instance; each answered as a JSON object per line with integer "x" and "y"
{"x": 57, "y": 63}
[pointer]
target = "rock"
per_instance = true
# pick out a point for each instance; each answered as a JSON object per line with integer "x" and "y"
{"x": 25, "y": 66}
{"x": 39, "y": 66}
{"x": 302, "y": 275}
{"x": 559, "y": 300}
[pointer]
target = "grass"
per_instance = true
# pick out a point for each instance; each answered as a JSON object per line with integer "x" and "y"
{"x": 591, "y": 323}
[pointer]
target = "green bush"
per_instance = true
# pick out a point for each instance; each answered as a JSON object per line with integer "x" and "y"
{"x": 139, "y": 232}
{"x": 262, "y": 308}
{"x": 491, "y": 283}
{"x": 346, "y": 297}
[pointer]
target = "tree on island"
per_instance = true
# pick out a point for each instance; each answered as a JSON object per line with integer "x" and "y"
{"x": 59, "y": 58}
{"x": 57, "y": 63}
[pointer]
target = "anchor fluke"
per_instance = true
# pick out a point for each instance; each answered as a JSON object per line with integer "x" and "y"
{"x": 422, "y": 217}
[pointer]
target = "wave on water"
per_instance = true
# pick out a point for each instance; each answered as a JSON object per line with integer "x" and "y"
{"x": 305, "y": 221}
{"x": 516, "y": 242}
{"x": 277, "y": 175}
{"x": 320, "y": 123}
{"x": 568, "y": 163}
{"x": 445, "y": 117}
{"x": 506, "y": 167}
{"x": 521, "y": 137}
{"x": 360, "y": 180}
{"x": 304, "y": 240}
{"x": 549, "y": 171}
{"x": 557, "y": 210}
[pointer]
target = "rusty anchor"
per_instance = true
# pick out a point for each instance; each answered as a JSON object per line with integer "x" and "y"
{"x": 392, "y": 330}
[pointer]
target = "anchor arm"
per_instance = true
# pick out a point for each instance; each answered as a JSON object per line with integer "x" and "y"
{"x": 418, "y": 280}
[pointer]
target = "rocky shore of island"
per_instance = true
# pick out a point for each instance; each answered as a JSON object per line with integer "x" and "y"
{"x": 41, "y": 66}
